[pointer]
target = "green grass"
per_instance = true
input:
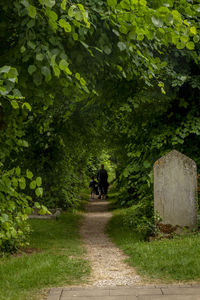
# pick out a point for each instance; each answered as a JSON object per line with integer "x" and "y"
{"x": 58, "y": 262}
{"x": 177, "y": 259}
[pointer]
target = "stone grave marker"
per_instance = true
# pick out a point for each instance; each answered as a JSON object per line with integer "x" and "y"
{"x": 175, "y": 190}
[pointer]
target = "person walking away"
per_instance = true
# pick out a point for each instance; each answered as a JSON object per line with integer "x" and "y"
{"x": 102, "y": 177}
{"x": 92, "y": 186}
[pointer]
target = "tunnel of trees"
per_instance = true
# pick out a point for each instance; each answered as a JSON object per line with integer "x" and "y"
{"x": 81, "y": 77}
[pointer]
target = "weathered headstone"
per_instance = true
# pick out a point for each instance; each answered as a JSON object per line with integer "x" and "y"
{"x": 175, "y": 190}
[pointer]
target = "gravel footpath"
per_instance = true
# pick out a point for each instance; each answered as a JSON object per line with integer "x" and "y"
{"x": 107, "y": 261}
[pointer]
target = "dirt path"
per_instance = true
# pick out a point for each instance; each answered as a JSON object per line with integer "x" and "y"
{"x": 108, "y": 268}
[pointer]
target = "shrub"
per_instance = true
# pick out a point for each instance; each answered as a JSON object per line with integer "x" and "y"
{"x": 140, "y": 217}
{"x": 15, "y": 208}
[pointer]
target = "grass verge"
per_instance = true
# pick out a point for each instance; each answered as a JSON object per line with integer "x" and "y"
{"x": 84, "y": 196}
{"x": 57, "y": 262}
{"x": 177, "y": 259}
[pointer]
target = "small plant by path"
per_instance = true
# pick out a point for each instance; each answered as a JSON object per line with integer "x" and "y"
{"x": 56, "y": 260}
{"x": 177, "y": 259}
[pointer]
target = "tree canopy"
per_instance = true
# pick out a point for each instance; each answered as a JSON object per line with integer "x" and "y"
{"x": 77, "y": 77}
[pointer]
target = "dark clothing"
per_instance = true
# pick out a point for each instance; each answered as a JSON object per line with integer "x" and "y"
{"x": 93, "y": 187}
{"x": 92, "y": 184}
{"x": 103, "y": 188}
{"x": 102, "y": 177}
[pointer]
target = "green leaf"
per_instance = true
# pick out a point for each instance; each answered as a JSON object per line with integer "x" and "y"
{"x": 37, "y": 205}
{"x": 186, "y": 23}
{"x": 49, "y": 3}
{"x": 62, "y": 23}
{"x": 32, "y": 11}
{"x": 39, "y": 192}
{"x": 81, "y": 7}
{"x": 63, "y": 4}
{"x": 53, "y": 25}
{"x": 5, "y": 69}
{"x": 52, "y": 15}
{"x": 75, "y": 36}
{"x": 25, "y": 3}
{"x": 44, "y": 210}
{"x": 180, "y": 46}
{"x": 27, "y": 105}
{"x": 37, "y": 79}
{"x": 56, "y": 70}
{"x": 184, "y": 38}
{"x": 39, "y": 57}
{"x": 161, "y": 84}
{"x": 123, "y": 29}
{"x": 68, "y": 71}
{"x": 28, "y": 210}
{"x": 31, "y": 23}
{"x": 196, "y": 38}
{"x": 39, "y": 181}
{"x": 71, "y": 11}
{"x": 4, "y": 218}
{"x": 45, "y": 71}
{"x": 82, "y": 81}
{"x": 147, "y": 164}
{"x": 31, "y": 69}
{"x": 67, "y": 27}
{"x": 169, "y": 19}
{"x": 78, "y": 16}
{"x": 63, "y": 64}
{"x": 15, "y": 182}
{"x": 78, "y": 76}
{"x": 12, "y": 75}
{"x": 116, "y": 32}
{"x": 25, "y": 143}
{"x": 84, "y": 44}
{"x": 17, "y": 93}
{"x": 112, "y": 3}
{"x": 33, "y": 184}
{"x": 158, "y": 22}
{"x": 18, "y": 171}
{"x": 121, "y": 46}
{"x": 14, "y": 104}
{"x": 190, "y": 45}
{"x": 176, "y": 15}
{"x": 143, "y": 2}
{"x": 22, "y": 49}
{"x": 22, "y": 185}
{"x": 31, "y": 45}
{"x": 193, "y": 30}
{"x": 107, "y": 50}
{"x": 29, "y": 174}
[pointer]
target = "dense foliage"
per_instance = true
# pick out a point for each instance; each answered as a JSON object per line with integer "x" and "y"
{"x": 78, "y": 77}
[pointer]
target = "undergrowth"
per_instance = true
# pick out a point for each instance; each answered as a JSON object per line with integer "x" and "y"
{"x": 177, "y": 259}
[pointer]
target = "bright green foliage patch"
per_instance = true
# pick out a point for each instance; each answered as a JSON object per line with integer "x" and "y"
{"x": 58, "y": 260}
{"x": 15, "y": 207}
{"x": 175, "y": 259}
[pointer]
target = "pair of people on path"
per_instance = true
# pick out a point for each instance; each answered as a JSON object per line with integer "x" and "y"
{"x": 102, "y": 177}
